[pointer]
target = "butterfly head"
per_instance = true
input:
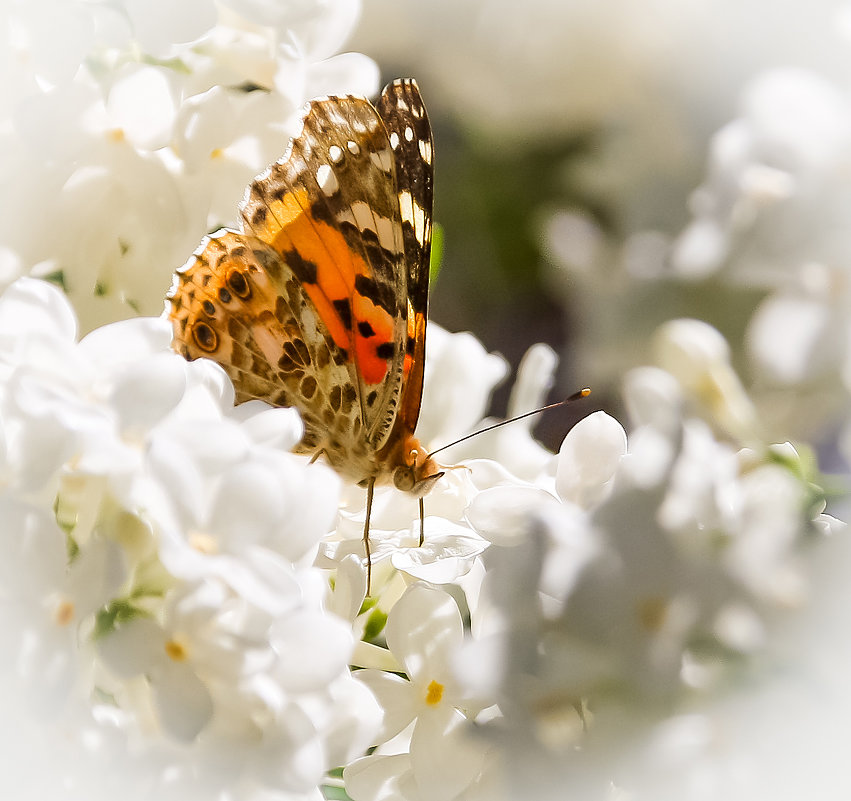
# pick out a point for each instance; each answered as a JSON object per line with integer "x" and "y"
{"x": 416, "y": 472}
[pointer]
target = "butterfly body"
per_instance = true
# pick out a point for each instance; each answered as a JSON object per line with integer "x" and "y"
{"x": 319, "y": 300}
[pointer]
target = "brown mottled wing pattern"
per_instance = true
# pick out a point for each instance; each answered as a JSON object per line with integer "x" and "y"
{"x": 319, "y": 301}
{"x": 403, "y": 111}
{"x": 231, "y": 302}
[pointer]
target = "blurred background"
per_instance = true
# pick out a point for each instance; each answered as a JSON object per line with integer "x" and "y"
{"x": 574, "y": 141}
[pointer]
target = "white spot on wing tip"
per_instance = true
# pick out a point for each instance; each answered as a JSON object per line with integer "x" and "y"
{"x": 353, "y": 147}
{"x": 327, "y": 180}
{"x": 382, "y": 159}
{"x": 413, "y": 213}
{"x": 394, "y": 140}
{"x": 335, "y": 154}
{"x": 409, "y": 133}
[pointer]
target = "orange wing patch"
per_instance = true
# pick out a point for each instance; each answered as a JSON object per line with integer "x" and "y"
{"x": 336, "y": 278}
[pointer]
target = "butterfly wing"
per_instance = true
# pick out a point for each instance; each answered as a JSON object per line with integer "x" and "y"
{"x": 320, "y": 301}
{"x": 330, "y": 207}
{"x": 404, "y": 114}
{"x": 234, "y": 302}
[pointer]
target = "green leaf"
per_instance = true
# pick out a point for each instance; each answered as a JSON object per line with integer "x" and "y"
{"x": 56, "y": 277}
{"x": 334, "y": 793}
{"x": 374, "y": 624}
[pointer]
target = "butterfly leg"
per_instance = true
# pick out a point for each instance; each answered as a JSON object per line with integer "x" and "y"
{"x": 370, "y": 491}
{"x": 320, "y": 452}
{"x": 422, "y": 520}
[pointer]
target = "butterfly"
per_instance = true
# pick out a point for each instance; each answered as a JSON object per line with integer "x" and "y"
{"x": 319, "y": 299}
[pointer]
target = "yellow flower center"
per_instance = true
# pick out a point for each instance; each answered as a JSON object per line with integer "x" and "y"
{"x": 64, "y": 613}
{"x": 176, "y": 651}
{"x": 434, "y": 692}
{"x": 202, "y": 542}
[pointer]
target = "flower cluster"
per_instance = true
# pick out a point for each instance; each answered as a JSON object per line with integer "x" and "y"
{"x": 157, "y": 579}
{"x": 184, "y": 601}
{"x": 619, "y": 582}
{"x": 174, "y": 575}
{"x": 131, "y": 128}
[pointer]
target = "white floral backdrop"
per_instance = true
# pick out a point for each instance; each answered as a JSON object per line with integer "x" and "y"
{"x": 655, "y": 611}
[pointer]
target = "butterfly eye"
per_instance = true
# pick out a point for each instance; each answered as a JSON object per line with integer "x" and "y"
{"x": 205, "y": 338}
{"x": 237, "y": 282}
{"x": 403, "y": 478}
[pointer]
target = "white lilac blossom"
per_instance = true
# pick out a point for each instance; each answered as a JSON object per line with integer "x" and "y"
{"x": 130, "y": 129}
{"x": 626, "y": 665}
{"x": 623, "y": 593}
{"x": 157, "y": 580}
{"x": 183, "y": 599}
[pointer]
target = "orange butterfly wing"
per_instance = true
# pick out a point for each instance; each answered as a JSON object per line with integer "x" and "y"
{"x": 320, "y": 301}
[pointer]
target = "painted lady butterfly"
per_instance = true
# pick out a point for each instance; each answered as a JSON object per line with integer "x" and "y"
{"x": 319, "y": 301}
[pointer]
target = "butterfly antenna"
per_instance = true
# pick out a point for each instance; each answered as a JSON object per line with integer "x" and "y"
{"x": 583, "y": 393}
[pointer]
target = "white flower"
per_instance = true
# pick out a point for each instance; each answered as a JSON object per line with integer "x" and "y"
{"x": 588, "y": 460}
{"x": 159, "y": 556}
{"x": 134, "y": 128}
{"x": 424, "y": 632}
{"x": 590, "y": 623}
{"x": 459, "y": 378}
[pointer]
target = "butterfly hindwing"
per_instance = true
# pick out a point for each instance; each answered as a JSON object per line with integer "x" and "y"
{"x": 233, "y": 302}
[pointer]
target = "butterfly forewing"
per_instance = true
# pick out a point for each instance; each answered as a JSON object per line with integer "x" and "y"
{"x": 404, "y": 114}
{"x": 330, "y": 207}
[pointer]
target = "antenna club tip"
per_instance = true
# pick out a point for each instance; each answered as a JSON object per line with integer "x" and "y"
{"x": 583, "y": 393}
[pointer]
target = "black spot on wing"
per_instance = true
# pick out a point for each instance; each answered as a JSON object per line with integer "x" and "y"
{"x": 303, "y": 269}
{"x": 258, "y": 217}
{"x": 379, "y": 292}
{"x": 344, "y": 311}
{"x": 385, "y": 350}
{"x": 321, "y": 211}
{"x": 239, "y": 284}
